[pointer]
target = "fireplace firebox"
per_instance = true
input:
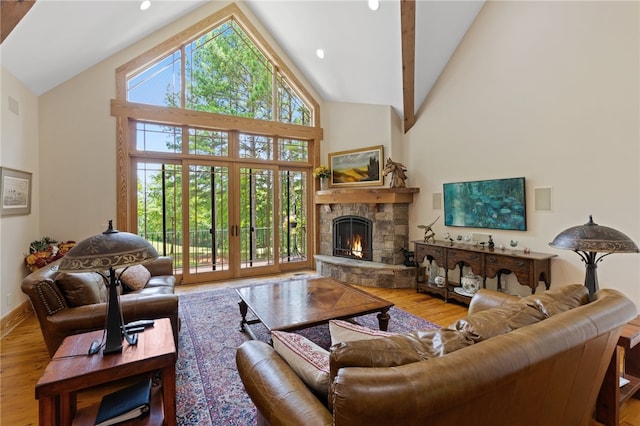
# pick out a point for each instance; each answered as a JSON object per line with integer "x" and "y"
{"x": 352, "y": 237}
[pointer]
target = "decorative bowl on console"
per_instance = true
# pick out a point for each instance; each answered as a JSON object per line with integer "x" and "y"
{"x": 470, "y": 283}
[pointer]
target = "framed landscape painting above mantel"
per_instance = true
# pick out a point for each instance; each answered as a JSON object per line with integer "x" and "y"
{"x": 356, "y": 167}
{"x": 15, "y": 188}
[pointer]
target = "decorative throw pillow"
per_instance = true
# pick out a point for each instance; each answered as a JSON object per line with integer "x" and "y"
{"x": 395, "y": 350}
{"x": 399, "y": 349}
{"x": 553, "y": 302}
{"x": 134, "y": 277}
{"x": 82, "y": 288}
{"x": 345, "y": 331}
{"x": 308, "y": 360}
{"x": 500, "y": 320}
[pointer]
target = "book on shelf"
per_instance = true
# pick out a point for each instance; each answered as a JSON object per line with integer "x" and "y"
{"x": 124, "y": 404}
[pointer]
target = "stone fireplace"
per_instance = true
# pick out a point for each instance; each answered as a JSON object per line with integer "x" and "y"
{"x": 379, "y": 218}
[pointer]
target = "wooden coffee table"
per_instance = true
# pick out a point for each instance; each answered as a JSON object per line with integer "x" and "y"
{"x": 303, "y": 303}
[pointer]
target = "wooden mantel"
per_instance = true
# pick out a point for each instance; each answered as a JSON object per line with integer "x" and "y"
{"x": 365, "y": 195}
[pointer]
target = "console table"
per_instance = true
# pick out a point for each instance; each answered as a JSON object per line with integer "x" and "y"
{"x": 71, "y": 370}
{"x": 528, "y": 268}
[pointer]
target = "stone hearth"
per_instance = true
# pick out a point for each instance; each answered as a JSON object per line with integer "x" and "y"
{"x": 365, "y": 273}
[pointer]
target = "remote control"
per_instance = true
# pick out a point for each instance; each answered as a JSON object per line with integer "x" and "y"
{"x": 139, "y": 323}
{"x": 95, "y": 347}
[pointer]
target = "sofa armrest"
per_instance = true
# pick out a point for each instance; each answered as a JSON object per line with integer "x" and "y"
{"x": 486, "y": 299}
{"x": 140, "y": 306}
{"x": 162, "y": 265}
{"x": 134, "y": 307}
{"x": 279, "y": 394}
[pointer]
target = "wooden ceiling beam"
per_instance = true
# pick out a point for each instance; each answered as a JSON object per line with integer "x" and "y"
{"x": 11, "y": 12}
{"x": 408, "y": 26}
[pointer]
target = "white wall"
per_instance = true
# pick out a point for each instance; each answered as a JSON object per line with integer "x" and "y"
{"x": 18, "y": 150}
{"x": 350, "y": 126}
{"x": 549, "y": 91}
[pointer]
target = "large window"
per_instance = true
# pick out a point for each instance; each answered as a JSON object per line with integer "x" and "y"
{"x": 218, "y": 139}
{"x": 224, "y": 72}
{"x": 207, "y": 143}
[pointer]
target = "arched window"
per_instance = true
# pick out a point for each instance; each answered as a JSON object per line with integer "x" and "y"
{"x": 222, "y": 71}
{"x": 217, "y": 140}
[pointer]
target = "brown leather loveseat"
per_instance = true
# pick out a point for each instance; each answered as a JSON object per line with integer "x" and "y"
{"x": 538, "y": 360}
{"x": 67, "y": 304}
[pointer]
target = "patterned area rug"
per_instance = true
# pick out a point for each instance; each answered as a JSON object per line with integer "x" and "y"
{"x": 209, "y": 390}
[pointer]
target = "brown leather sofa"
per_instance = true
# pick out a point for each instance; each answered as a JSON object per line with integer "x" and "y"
{"x": 67, "y": 304}
{"x": 538, "y": 360}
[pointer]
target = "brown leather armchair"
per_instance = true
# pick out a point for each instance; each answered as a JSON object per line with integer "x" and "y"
{"x": 67, "y": 304}
{"x": 539, "y": 360}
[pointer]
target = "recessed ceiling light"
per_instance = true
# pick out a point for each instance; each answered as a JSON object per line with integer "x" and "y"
{"x": 320, "y": 53}
{"x": 145, "y": 5}
{"x": 374, "y": 4}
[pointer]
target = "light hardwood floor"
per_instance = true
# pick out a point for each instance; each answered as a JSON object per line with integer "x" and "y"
{"x": 24, "y": 356}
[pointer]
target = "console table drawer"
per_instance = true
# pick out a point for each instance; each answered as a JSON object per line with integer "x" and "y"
{"x": 471, "y": 258}
{"x": 514, "y": 264}
{"x": 426, "y": 250}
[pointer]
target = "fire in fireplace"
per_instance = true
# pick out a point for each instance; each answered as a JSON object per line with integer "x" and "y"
{"x": 352, "y": 237}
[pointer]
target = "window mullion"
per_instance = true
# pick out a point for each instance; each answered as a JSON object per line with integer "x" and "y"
{"x": 186, "y": 136}
{"x": 234, "y": 145}
{"x": 183, "y": 77}
{"x": 274, "y": 94}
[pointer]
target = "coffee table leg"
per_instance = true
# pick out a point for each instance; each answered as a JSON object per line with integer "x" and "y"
{"x": 243, "y": 312}
{"x": 383, "y": 320}
{"x": 244, "y": 308}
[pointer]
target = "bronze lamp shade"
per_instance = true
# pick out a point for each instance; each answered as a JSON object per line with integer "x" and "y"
{"x": 590, "y": 239}
{"x": 106, "y": 252}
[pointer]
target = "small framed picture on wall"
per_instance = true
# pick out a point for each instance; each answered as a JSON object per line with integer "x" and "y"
{"x": 15, "y": 187}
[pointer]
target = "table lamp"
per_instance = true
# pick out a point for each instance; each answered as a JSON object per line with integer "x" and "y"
{"x": 106, "y": 252}
{"x": 590, "y": 239}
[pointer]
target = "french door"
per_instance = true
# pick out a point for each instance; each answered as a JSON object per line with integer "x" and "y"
{"x": 230, "y": 222}
{"x": 223, "y": 219}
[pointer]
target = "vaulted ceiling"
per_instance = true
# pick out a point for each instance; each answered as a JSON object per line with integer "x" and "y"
{"x": 363, "y": 63}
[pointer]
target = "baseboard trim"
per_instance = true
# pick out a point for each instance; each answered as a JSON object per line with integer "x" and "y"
{"x": 15, "y": 317}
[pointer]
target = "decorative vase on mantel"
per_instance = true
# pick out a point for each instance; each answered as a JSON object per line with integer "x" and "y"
{"x": 324, "y": 183}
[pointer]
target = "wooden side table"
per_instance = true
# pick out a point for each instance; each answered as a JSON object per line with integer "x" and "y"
{"x": 611, "y": 395}
{"x": 71, "y": 370}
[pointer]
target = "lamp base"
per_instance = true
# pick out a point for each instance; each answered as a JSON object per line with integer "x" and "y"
{"x": 114, "y": 318}
{"x": 591, "y": 279}
{"x": 114, "y": 349}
